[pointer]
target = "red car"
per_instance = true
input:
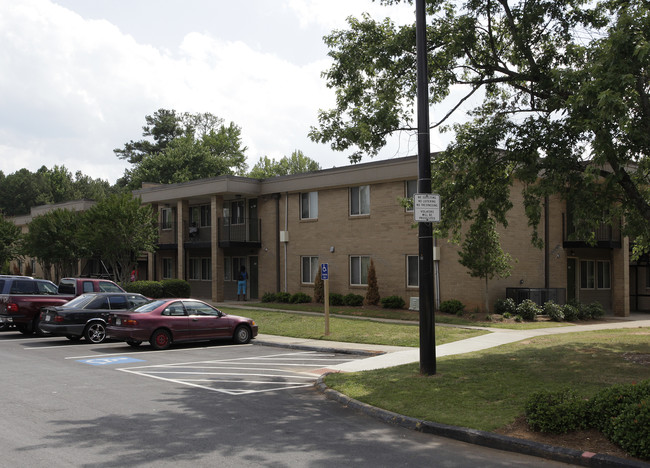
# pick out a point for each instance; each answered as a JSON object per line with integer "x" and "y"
{"x": 166, "y": 321}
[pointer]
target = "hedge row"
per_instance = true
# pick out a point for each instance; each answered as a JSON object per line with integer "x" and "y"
{"x": 158, "y": 289}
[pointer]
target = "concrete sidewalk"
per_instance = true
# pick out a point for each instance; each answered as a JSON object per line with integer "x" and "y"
{"x": 387, "y": 356}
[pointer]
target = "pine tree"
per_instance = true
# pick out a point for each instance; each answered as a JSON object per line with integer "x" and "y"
{"x": 372, "y": 295}
{"x": 319, "y": 289}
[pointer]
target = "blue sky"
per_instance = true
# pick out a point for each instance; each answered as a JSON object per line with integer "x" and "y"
{"x": 79, "y": 76}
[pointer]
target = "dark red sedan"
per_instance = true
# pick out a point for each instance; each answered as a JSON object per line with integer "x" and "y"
{"x": 166, "y": 321}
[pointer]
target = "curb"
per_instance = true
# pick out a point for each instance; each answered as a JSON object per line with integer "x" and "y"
{"x": 483, "y": 438}
{"x": 357, "y": 352}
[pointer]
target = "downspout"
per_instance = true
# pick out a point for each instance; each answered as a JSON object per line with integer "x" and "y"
{"x": 286, "y": 228}
{"x": 546, "y": 246}
{"x": 278, "y": 281}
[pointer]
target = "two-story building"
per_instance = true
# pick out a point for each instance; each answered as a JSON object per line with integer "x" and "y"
{"x": 281, "y": 229}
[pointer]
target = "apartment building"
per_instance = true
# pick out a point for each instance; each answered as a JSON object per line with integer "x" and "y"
{"x": 281, "y": 229}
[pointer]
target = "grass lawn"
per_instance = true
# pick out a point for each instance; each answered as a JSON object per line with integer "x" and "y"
{"x": 487, "y": 390}
{"x": 347, "y": 330}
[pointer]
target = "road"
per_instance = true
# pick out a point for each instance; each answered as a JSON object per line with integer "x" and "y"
{"x": 74, "y": 404}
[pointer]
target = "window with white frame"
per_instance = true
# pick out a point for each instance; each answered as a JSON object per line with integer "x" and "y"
{"x": 309, "y": 269}
{"x": 200, "y": 269}
{"x": 167, "y": 268}
{"x": 412, "y": 271}
{"x": 595, "y": 274}
{"x": 166, "y": 218}
{"x": 309, "y": 205}
{"x": 360, "y": 200}
{"x": 359, "y": 270}
{"x": 411, "y": 189}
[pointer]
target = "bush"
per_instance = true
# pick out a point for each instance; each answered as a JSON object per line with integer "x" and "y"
{"x": 553, "y": 311}
{"x": 631, "y": 429}
{"x": 283, "y": 297}
{"x": 584, "y": 313}
{"x": 528, "y": 310}
{"x": 353, "y": 300}
{"x": 300, "y": 298}
{"x": 452, "y": 306}
{"x": 269, "y": 297}
{"x": 336, "y": 299}
{"x": 610, "y": 402}
{"x": 570, "y": 312}
{"x": 596, "y": 310}
{"x": 319, "y": 289}
{"x": 505, "y": 306}
{"x": 176, "y": 288}
{"x": 393, "y": 302}
{"x": 152, "y": 289}
{"x": 555, "y": 412}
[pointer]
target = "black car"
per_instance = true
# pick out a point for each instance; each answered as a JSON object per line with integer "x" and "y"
{"x": 85, "y": 316}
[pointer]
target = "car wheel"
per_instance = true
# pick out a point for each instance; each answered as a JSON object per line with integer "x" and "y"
{"x": 36, "y": 327}
{"x": 24, "y": 329}
{"x": 73, "y": 337}
{"x": 95, "y": 332}
{"x": 160, "y": 339}
{"x": 133, "y": 343}
{"x": 242, "y": 334}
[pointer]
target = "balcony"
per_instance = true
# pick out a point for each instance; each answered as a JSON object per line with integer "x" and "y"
{"x": 606, "y": 236}
{"x": 240, "y": 232}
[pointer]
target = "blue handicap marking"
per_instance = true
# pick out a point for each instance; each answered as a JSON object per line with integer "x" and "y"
{"x": 109, "y": 360}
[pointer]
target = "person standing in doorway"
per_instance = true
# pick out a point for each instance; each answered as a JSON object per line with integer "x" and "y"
{"x": 241, "y": 283}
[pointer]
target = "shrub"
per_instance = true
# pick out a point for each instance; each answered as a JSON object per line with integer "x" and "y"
{"x": 505, "y": 306}
{"x": 596, "y": 310}
{"x": 152, "y": 289}
{"x": 555, "y": 412}
{"x": 176, "y": 288}
{"x": 353, "y": 300}
{"x": 553, "y": 311}
{"x": 319, "y": 289}
{"x": 372, "y": 294}
{"x": 519, "y": 318}
{"x": 570, "y": 312}
{"x": 393, "y": 302}
{"x": 336, "y": 299}
{"x": 452, "y": 306}
{"x": 300, "y": 298}
{"x": 269, "y": 297}
{"x": 610, "y": 402}
{"x": 283, "y": 297}
{"x": 507, "y": 315}
{"x": 584, "y": 313}
{"x": 631, "y": 429}
{"x": 528, "y": 310}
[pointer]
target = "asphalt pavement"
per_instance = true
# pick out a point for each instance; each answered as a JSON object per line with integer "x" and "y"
{"x": 379, "y": 356}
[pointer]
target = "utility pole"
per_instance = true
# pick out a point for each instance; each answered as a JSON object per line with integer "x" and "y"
{"x": 425, "y": 229}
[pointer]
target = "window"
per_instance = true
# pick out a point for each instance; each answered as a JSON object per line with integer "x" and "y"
{"x": 412, "y": 271}
{"x": 595, "y": 274}
{"x": 309, "y": 205}
{"x": 200, "y": 216}
{"x": 117, "y": 302}
{"x": 359, "y": 270}
{"x": 360, "y": 200}
{"x": 166, "y": 218}
{"x": 232, "y": 266}
{"x": 237, "y": 212}
{"x": 167, "y": 268}
{"x": 175, "y": 309}
{"x": 309, "y": 269}
{"x": 199, "y": 308}
{"x": 200, "y": 269}
{"x": 411, "y": 189}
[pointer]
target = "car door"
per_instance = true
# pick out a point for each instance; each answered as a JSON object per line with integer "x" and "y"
{"x": 175, "y": 317}
{"x": 205, "y": 321}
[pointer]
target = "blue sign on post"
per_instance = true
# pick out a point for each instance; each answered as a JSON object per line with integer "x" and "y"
{"x": 324, "y": 271}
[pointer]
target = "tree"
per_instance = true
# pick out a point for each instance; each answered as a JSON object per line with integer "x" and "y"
{"x": 298, "y": 163}
{"x": 563, "y": 87}
{"x": 372, "y": 294}
{"x": 117, "y": 230}
{"x": 53, "y": 241}
{"x": 10, "y": 242}
{"x": 185, "y": 147}
{"x": 481, "y": 251}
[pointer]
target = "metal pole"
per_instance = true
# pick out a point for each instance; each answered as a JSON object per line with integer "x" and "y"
{"x": 425, "y": 233}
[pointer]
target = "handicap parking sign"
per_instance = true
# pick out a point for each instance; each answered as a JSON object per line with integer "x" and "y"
{"x": 324, "y": 271}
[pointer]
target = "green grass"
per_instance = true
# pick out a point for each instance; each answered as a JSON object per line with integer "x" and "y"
{"x": 487, "y": 390}
{"x": 347, "y": 330}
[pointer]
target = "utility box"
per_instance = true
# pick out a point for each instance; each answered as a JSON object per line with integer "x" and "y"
{"x": 284, "y": 236}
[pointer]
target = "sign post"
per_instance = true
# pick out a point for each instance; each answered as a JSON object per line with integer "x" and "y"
{"x": 324, "y": 275}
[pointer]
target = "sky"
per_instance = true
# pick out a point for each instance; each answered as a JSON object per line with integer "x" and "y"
{"x": 79, "y": 76}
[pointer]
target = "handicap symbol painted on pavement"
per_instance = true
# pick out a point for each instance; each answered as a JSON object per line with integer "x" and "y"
{"x": 109, "y": 360}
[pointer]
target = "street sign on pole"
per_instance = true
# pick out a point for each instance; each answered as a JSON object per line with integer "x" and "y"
{"x": 325, "y": 276}
{"x": 426, "y": 207}
{"x": 324, "y": 271}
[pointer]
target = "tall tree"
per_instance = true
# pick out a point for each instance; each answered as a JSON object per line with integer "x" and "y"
{"x": 54, "y": 241}
{"x": 298, "y": 163}
{"x": 10, "y": 242}
{"x": 562, "y": 86}
{"x": 117, "y": 230}
{"x": 195, "y": 146}
{"x": 481, "y": 252}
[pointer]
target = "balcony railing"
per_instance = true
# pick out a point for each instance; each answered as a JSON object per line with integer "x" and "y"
{"x": 606, "y": 236}
{"x": 240, "y": 232}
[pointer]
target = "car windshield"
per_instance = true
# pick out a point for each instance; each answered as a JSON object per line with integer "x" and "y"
{"x": 79, "y": 302}
{"x": 148, "y": 307}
